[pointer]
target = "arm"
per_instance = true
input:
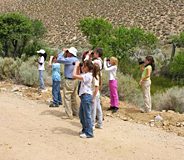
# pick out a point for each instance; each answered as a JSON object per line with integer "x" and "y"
{"x": 108, "y": 68}
{"x": 50, "y": 61}
{"x": 76, "y": 72}
{"x": 95, "y": 91}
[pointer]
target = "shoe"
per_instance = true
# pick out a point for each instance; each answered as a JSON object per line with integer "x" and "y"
{"x": 83, "y": 135}
{"x": 44, "y": 90}
{"x": 53, "y": 105}
{"x": 110, "y": 109}
{"x": 114, "y": 110}
{"x": 67, "y": 117}
{"x": 99, "y": 127}
{"x": 60, "y": 103}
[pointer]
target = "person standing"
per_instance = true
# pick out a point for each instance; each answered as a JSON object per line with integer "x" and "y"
{"x": 56, "y": 80}
{"x": 96, "y": 106}
{"x": 68, "y": 57}
{"x": 41, "y": 68}
{"x": 145, "y": 82}
{"x": 85, "y": 94}
{"x": 113, "y": 84}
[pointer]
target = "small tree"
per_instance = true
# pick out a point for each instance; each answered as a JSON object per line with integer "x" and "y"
{"x": 16, "y": 31}
{"x": 177, "y": 41}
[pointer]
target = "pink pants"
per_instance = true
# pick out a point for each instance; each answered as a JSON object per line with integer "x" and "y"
{"x": 114, "y": 99}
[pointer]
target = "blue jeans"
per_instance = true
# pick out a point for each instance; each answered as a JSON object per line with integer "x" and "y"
{"x": 97, "y": 112}
{"x": 56, "y": 95}
{"x": 85, "y": 114}
{"x": 42, "y": 85}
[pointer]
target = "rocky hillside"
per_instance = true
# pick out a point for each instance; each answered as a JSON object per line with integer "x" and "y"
{"x": 61, "y": 17}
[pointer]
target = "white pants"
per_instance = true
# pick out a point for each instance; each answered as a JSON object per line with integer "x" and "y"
{"x": 146, "y": 95}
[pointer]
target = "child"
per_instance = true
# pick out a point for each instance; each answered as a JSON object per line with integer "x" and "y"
{"x": 145, "y": 82}
{"x": 85, "y": 94}
{"x": 56, "y": 80}
{"x": 112, "y": 68}
{"x": 96, "y": 107}
{"x": 41, "y": 68}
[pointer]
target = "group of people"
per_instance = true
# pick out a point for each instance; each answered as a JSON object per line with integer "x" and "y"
{"x": 85, "y": 79}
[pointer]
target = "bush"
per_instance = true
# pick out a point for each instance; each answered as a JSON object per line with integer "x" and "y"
{"x": 9, "y": 68}
{"x": 172, "y": 99}
{"x": 177, "y": 66}
{"x": 29, "y": 72}
{"x": 128, "y": 88}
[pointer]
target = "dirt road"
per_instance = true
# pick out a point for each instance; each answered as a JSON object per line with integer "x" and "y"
{"x": 32, "y": 131}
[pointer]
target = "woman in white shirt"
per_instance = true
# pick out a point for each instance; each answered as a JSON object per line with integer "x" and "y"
{"x": 113, "y": 84}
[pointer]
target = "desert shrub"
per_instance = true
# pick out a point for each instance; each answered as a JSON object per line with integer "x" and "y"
{"x": 128, "y": 88}
{"x": 29, "y": 72}
{"x": 8, "y": 68}
{"x": 172, "y": 99}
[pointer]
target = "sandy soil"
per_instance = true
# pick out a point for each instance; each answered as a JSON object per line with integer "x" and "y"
{"x": 30, "y": 130}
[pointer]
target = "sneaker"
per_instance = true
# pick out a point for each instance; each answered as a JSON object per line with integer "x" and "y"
{"x": 99, "y": 127}
{"x": 83, "y": 135}
{"x": 44, "y": 90}
{"x": 53, "y": 105}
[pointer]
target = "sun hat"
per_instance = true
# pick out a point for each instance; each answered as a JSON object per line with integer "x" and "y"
{"x": 42, "y": 51}
{"x": 73, "y": 51}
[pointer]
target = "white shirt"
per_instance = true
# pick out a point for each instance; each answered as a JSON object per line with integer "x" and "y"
{"x": 86, "y": 84}
{"x": 112, "y": 71}
{"x": 41, "y": 60}
{"x": 99, "y": 62}
{"x": 96, "y": 84}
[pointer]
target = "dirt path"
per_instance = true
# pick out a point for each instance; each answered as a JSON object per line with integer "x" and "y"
{"x": 32, "y": 131}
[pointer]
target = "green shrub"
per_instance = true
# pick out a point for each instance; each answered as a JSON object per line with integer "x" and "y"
{"x": 128, "y": 88}
{"x": 161, "y": 84}
{"x": 172, "y": 99}
{"x": 177, "y": 66}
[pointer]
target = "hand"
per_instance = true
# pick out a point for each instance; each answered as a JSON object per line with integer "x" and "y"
{"x": 65, "y": 49}
{"x": 140, "y": 82}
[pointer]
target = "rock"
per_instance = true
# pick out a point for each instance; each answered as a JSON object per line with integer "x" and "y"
{"x": 170, "y": 111}
{"x": 178, "y": 124}
{"x": 125, "y": 119}
{"x": 158, "y": 118}
{"x": 152, "y": 123}
{"x": 166, "y": 123}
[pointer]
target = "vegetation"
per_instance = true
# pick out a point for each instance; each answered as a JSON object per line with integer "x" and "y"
{"x": 17, "y": 32}
{"x": 116, "y": 41}
{"x": 172, "y": 99}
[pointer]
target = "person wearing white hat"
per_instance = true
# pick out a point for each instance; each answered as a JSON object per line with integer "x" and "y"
{"x": 41, "y": 68}
{"x": 68, "y": 57}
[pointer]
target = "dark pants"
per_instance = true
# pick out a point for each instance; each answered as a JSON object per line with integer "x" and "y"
{"x": 85, "y": 114}
{"x": 56, "y": 95}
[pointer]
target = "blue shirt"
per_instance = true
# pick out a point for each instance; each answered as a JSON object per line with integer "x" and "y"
{"x": 69, "y": 63}
{"x": 56, "y": 76}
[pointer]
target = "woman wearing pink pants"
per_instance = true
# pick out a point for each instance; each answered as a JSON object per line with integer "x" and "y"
{"x": 111, "y": 67}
